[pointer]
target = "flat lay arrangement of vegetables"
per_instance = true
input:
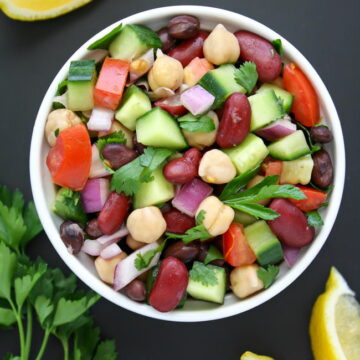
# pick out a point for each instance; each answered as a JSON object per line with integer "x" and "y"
{"x": 188, "y": 163}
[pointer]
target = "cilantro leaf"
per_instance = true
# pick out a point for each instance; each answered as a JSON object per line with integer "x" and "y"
{"x": 193, "y": 124}
{"x": 247, "y": 76}
{"x": 257, "y": 210}
{"x": 204, "y": 274}
{"x": 7, "y": 317}
{"x": 268, "y": 274}
{"x": 7, "y": 270}
{"x": 196, "y": 233}
{"x": 277, "y": 44}
{"x": 105, "y": 41}
{"x": 314, "y": 218}
{"x": 106, "y": 350}
{"x": 200, "y": 217}
{"x": 213, "y": 254}
{"x": 62, "y": 87}
{"x": 85, "y": 341}
{"x": 142, "y": 261}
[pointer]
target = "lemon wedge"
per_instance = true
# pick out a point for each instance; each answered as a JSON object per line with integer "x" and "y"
{"x": 335, "y": 322}
{"x": 33, "y": 10}
{"x": 251, "y": 356}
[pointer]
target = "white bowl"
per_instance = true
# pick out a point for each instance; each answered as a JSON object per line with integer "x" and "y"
{"x": 83, "y": 267}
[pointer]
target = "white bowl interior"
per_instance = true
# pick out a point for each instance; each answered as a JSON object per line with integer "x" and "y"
{"x": 82, "y": 265}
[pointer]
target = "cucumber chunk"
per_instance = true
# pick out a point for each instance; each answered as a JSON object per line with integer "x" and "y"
{"x": 264, "y": 243}
{"x": 265, "y": 108}
{"x": 213, "y": 293}
{"x": 133, "y": 41}
{"x": 297, "y": 171}
{"x": 248, "y": 154}
{"x": 221, "y": 83}
{"x": 135, "y": 103}
{"x": 290, "y": 147}
{"x": 286, "y": 98}
{"x": 157, "y": 128}
{"x": 157, "y": 191}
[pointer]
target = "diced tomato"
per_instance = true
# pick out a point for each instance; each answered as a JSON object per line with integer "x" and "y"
{"x": 236, "y": 250}
{"x": 196, "y": 69}
{"x": 69, "y": 160}
{"x": 314, "y": 198}
{"x": 306, "y": 105}
{"x": 271, "y": 167}
{"x": 111, "y": 82}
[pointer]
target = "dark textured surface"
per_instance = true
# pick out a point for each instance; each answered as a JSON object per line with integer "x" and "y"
{"x": 327, "y": 33}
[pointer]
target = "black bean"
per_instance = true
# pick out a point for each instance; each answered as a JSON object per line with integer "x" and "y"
{"x": 167, "y": 41}
{"x": 136, "y": 290}
{"x": 323, "y": 171}
{"x": 321, "y": 134}
{"x": 184, "y": 27}
{"x": 72, "y": 235}
{"x": 118, "y": 155}
{"x": 184, "y": 252}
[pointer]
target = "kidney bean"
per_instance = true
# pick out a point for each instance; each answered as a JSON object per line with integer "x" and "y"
{"x": 260, "y": 51}
{"x": 92, "y": 229}
{"x": 177, "y": 222}
{"x": 323, "y": 171}
{"x": 184, "y": 27}
{"x": 72, "y": 235}
{"x": 184, "y": 252}
{"x": 203, "y": 251}
{"x": 118, "y": 155}
{"x": 167, "y": 41}
{"x": 135, "y": 290}
{"x": 184, "y": 169}
{"x": 291, "y": 227}
{"x": 321, "y": 134}
{"x": 235, "y": 121}
{"x": 218, "y": 262}
{"x": 170, "y": 285}
{"x": 113, "y": 213}
{"x": 172, "y": 105}
{"x": 139, "y": 147}
{"x": 189, "y": 49}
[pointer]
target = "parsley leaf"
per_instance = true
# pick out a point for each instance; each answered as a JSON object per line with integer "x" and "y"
{"x": 105, "y": 41}
{"x": 213, "y": 254}
{"x": 142, "y": 261}
{"x": 257, "y": 210}
{"x": 268, "y": 274}
{"x": 7, "y": 317}
{"x": 200, "y": 217}
{"x": 56, "y": 132}
{"x": 62, "y": 87}
{"x": 205, "y": 274}
{"x": 247, "y": 76}
{"x": 277, "y": 44}
{"x": 7, "y": 270}
{"x": 193, "y": 124}
{"x": 106, "y": 350}
{"x": 85, "y": 341}
{"x": 314, "y": 218}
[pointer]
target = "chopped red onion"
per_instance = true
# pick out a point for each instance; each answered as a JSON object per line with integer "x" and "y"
{"x": 188, "y": 199}
{"x": 97, "y": 168}
{"x": 110, "y": 251}
{"x": 94, "y": 194}
{"x": 277, "y": 129}
{"x": 291, "y": 255}
{"x": 92, "y": 247}
{"x": 107, "y": 240}
{"x": 197, "y": 100}
{"x": 100, "y": 119}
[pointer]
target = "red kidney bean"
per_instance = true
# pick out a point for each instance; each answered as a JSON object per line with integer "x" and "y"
{"x": 184, "y": 27}
{"x": 260, "y": 51}
{"x": 184, "y": 252}
{"x": 167, "y": 41}
{"x": 170, "y": 285}
{"x": 218, "y": 262}
{"x": 178, "y": 222}
{"x": 184, "y": 169}
{"x": 92, "y": 229}
{"x": 321, "y": 134}
{"x": 291, "y": 227}
{"x": 72, "y": 235}
{"x": 118, "y": 155}
{"x": 135, "y": 290}
{"x": 235, "y": 121}
{"x": 203, "y": 251}
{"x": 139, "y": 147}
{"x": 172, "y": 105}
{"x": 189, "y": 49}
{"x": 323, "y": 171}
{"x": 113, "y": 213}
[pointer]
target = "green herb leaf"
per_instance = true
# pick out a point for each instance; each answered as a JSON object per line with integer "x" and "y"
{"x": 32, "y": 223}
{"x": 43, "y": 308}
{"x": 9, "y": 356}
{"x": 320, "y": 124}
{"x": 193, "y": 124}
{"x": 196, "y": 233}
{"x": 7, "y": 270}
{"x": 7, "y": 317}
{"x": 268, "y": 274}
{"x": 314, "y": 218}
{"x": 85, "y": 341}
{"x": 204, "y": 274}
{"x": 105, "y": 41}
{"x": 142, "y": 261}
{"x": 106, "y": 350}
{"x": 200, "y": 217}
{"x": 61, "y": 89}
{"x": 247, "y": 76}
{"x": 277, "y": 44}
{"x": 313, "y": 147}
{"x": 213, "y": 254}
{"x": 257, "y": 210}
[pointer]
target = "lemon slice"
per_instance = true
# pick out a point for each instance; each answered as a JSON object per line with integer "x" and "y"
{"x": 251, "y": 356}
{"x": 33, "y": 10}
{"x": 335, "y": 322}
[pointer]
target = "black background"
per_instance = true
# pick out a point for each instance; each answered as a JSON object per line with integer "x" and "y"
{"x": 327, "y": 33}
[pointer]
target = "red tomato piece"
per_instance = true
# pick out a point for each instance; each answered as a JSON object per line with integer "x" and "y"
{"x": 111, "y": 82}
{"x": 172, "y": 105}
{"x": 236, "y": 250}
{"x": 306, "y": 105}
{"x": 314, "y": 198}
{"x": 69, "y": 160}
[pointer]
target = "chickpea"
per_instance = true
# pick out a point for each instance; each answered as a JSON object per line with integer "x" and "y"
{"x": 244, "y": 281}
{"x": 221, "y": 46}
{"x": 146, "y": 225}
{"x": 254, "y": 181}
{"x": 201, "y": 139}
{"x": 133, "y": 244}
{"x": 216, "y": 167}
{"x": 59, "y": 119}
{"x": 106, "y": 268}
{"x": 116, "y": 126}
{"x": 218, "y": 217}
{"x": 166, "y": 72}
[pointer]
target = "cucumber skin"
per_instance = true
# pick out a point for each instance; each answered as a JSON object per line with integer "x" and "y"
{"x": 80, "y": 95}
{"x": 287, "y": 98}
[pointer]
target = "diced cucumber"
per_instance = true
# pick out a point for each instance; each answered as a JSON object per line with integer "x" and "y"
{"x": 264, "y": 243}
{"x": 157, "y": 191}
{"x": 81, "y": 83}
{"x": 133, "y": 41}
{"x": 265, "y": 108}
{"x": 135, "y": 103}
{"x": 221, "y": 83}
{"x": 244, "y": 218}
{"x": 297, "y": 171}
{"x": 290, "y": 147}
{"x": 248, "y": 154}
{"x": 285, "y": 97}
{"x": 213, "y": 293}
{"x": 157, "y": 128}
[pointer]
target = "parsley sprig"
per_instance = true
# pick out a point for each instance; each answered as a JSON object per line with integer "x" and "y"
{"x": 205, "y": 274}
{"x": 247, "y": 76}
{"x": 277, "y": 44}
{"x": 268, "y": 274}
{"x": 142, "y": 261}
{"x": 193, "y": 124}
{"x": 314, "y": 218}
